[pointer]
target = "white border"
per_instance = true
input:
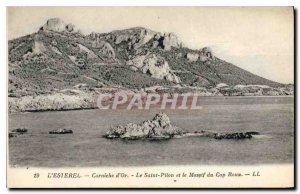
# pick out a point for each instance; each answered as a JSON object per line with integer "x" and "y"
{"x": 3, "y": 55}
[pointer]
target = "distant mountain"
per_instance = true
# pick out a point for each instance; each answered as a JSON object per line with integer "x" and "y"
{"x": 59, "y": 56}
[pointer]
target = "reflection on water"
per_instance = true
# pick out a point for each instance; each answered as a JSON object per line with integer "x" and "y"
{"x": 271, "y": 116}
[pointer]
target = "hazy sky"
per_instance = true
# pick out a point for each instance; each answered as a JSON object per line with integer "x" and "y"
{"x": 257, "y": 39}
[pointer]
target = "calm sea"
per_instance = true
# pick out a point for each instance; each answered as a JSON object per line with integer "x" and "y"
{"x": 273, "y": 117}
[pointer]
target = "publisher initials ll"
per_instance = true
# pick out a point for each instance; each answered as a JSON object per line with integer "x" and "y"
{"x": 255, "y": 173}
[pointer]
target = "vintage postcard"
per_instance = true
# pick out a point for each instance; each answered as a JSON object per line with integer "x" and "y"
{"x": 150, "y": 97}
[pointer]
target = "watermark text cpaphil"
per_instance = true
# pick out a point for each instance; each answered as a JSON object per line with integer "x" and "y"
{"x": 145, "y": 101}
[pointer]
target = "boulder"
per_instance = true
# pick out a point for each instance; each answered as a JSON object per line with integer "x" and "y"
{"x": 54, "y": 24}
{"x": 58, "y": 25}
{"x": 192, "y": 57}
{"x": 170, "y": 40}
{"x": 206, "y": 54}
{"x": 70, "y": 27}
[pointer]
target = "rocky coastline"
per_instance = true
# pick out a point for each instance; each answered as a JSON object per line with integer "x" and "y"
{"x": 76, "y": 99}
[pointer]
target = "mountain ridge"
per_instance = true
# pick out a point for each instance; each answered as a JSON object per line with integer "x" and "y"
{"x": 59, "y": 56}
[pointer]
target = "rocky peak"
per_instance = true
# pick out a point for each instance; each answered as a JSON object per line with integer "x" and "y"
{"x": 162, "y": 119}
{"x": 169, "y": 40}
{"x": 205, "y": 54}
{"x": 136, "y": 37}
{"x": 58, "y": 25}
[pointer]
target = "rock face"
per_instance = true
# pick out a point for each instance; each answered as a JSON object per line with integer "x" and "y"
{"x": 137, "y": 62}
{"x": 206, "y": 54}
{"x": 38, "y": 47}
{"x": 104, "y": 48}
{"x": 156, "y": 66}
{"x": 135, "y": 37}
{"x": 170, "y": 40}
{"x": 138, "y": 37}
{"x": 158, "y": 128}
{"x": 108, "y": 50}
{"x": 58, "y": 25}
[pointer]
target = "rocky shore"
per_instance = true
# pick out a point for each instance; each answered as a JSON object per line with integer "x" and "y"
{"x": 53, "y": 102}
{"x": 86, "y": 98}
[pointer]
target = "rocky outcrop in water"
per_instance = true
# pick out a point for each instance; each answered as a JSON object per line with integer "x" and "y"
{"x": 20, "y": 130}
{"x": 61, "y": 131}
{"x": 160, "y": 128}
{"x": 16, "y": 132}
{"x": 156, "y": 129}
{"x": 247, "y": 135}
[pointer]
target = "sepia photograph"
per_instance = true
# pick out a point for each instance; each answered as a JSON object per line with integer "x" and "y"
{"x": 168, "y": 89}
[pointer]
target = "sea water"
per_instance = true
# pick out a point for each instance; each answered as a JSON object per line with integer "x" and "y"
{"x": 272, "y": 117}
